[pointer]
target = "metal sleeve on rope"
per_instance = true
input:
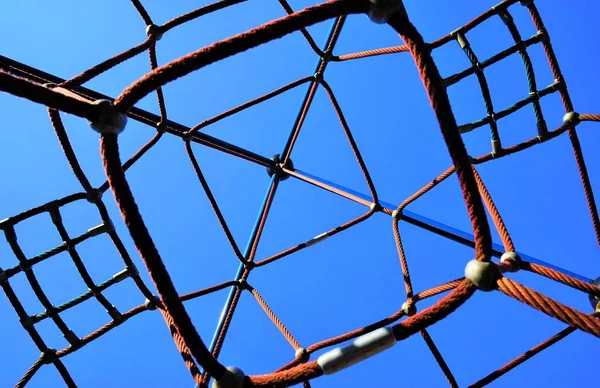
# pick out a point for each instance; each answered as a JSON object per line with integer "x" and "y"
{"x": 233, "y": 378}
{"x": 571, "y": 118}
{"x": 362, "y": 348}
{"x": 121, "y": 274}
{"x": 317, "y": 239}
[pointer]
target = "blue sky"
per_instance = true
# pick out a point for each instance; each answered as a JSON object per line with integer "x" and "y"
{"x": 346, "y": 282}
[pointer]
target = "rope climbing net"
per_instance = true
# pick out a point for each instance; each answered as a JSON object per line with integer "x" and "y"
{"x": 108, "y": 116}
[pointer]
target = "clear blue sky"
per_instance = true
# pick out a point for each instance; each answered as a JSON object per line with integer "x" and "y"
{"x": 350, "y": 280}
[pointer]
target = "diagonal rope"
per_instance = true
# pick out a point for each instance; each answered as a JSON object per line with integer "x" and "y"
{"x": 438, "y": 357}
{"x": 151, "y": 257}
{"x": 557, "y": 310}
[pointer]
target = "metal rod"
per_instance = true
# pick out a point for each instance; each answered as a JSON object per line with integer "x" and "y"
{"x": 420, "y": 221}
{"x": 311, "y": 90}
{"x": 240, "y": 270}
{"x": 137, "y": 114}
{"x": 266, "y": 203}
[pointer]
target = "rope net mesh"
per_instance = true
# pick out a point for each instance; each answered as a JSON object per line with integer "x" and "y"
{"x": 69, "y": 96}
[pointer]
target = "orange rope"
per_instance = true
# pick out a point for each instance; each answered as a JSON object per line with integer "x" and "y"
{"x": 69, "y": 97}
{"x": 493, "y": 210}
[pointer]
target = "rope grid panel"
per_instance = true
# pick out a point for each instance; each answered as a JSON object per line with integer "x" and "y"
{"x": 108, "y": 117}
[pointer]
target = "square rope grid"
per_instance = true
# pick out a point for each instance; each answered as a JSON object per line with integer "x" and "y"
{"x": 108, "y": 118}
{"x": 27, "y": 267}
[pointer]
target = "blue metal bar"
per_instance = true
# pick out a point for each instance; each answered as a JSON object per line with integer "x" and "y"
{"x": 240, "y": 270}
{"x": 444, "y": 230}
{"x": 323, "y": 62}
{"x": 265, "y": 204}
{"x": 138, "y": 114}
{"x": 497, "y": 249}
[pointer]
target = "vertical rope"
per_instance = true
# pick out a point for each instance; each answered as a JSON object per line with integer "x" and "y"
{"x": 441, "y": 106}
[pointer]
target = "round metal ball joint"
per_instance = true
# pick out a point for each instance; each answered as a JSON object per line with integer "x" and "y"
{"x": 571, "y": 118}
{"x": 233, "y": 378}
{"x": 594, "y": 300}
{"x": 108, "y": 119}
{"x": 249, "y": 265}
{"x": 277, "y": 168}
{"x": 161, "y": 127}
{"x": 409, "y": 308}
{"x": 514, "y": 258}
{"x": 483, "y": 274}
{"x": 151, "y": 304}
{"x": 94, "y": 196}
{"x": 48, "y": 355}
{"x": 152, "y": 30}
{"x": 244, "y": 285}
{"x": 187, "y": 136}
{"x": 301, "y": 355}
{"x": 381, "y": 11}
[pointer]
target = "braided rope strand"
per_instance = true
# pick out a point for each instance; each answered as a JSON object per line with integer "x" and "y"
{"x": 68, "y": 96}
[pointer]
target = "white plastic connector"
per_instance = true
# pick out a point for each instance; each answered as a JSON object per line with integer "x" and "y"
{"x": 496, "y": 147}
{"x": 233, "y": 378}
{"x": 301, "y": 353}
{"x": 409, "y": 308}
{"x": 461, "y": 39}
{"x": 317, "y": 239}
{"x": 109, "y": 120}
{"x": 151, "y": 304}
{"x": 514, "y": 257}
{"x": 154, "y": 30}
{"x": 571, "y": 118}
{"x": 121, "y": 274}
{"x": 97, "y": 230}
{"x": 362, "y": 348}
{"x": 382, "y": 10}
{"x": 483, "y": 274}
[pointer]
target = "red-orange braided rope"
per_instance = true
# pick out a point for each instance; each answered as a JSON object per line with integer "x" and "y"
{"x": 550, "y": 307}
{"x": 473, "y": 189}
{"x": 151, "y": 257}
{"x": 441, "y": 106}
